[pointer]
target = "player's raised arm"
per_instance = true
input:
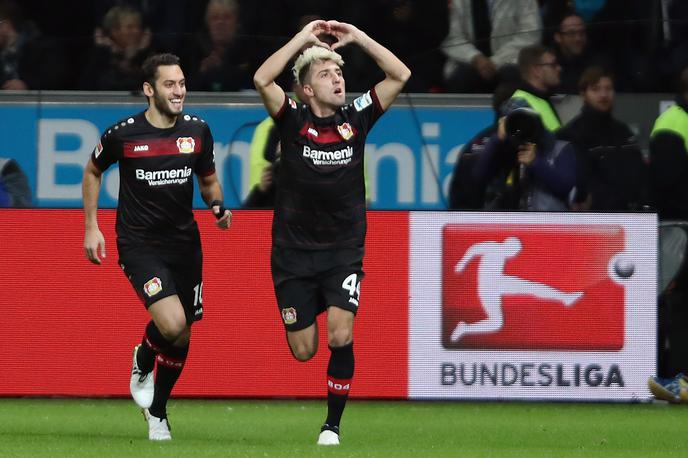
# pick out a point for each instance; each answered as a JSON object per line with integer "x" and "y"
{"x": 94, "y": 242}
{"x": 396, "y": 72}
{"x": 264, "y": 78}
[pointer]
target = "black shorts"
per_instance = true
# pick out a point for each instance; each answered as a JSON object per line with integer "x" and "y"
{"x": 308, "y": 281}
{"x": 156, "y": 273}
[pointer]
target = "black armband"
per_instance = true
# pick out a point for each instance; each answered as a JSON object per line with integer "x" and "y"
{"x": 220, "y": 204}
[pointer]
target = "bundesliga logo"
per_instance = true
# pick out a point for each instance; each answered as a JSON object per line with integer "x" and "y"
{"x": 533, "y": 287}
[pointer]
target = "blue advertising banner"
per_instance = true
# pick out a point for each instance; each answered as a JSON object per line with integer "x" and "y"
{"x": 410, "y": 153}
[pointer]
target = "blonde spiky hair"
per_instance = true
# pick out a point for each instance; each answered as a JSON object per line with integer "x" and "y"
{"x": 310, "y": 55}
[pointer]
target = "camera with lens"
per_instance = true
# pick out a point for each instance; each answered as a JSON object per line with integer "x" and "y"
{"x": 523, "y": 125}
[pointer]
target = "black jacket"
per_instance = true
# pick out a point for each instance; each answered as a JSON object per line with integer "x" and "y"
{"x": 669, "y": 173}
{"x": 464, "y": 192}
{"x": 611, "y": 169}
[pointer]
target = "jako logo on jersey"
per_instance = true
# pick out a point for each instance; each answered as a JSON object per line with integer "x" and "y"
{"x": 152, "y": 287}
{"x": 186, "y": 144}
{"x": 313, "y": 132}
{"x": 363, "y": 101}
{"x": 345, "y": 131}
{"x": 98, "y": 150}
{"x": 289, "y": 315}
{"x": 140, "y": 147}
{"x": 533, "y": 287}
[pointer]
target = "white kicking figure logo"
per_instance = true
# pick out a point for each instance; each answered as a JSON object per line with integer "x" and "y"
{"x": 493, "y": 284}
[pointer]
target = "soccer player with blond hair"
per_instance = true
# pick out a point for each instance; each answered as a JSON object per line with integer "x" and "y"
{"x": 319, "y": 223}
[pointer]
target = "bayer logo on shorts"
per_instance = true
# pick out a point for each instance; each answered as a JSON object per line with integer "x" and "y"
{"x": 289, "y": 315}
{"x": 152, "y": 286}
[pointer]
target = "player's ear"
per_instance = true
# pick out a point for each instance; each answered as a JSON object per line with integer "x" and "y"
{"x": 148, "y": 90}
{"x": 307, "y": 89}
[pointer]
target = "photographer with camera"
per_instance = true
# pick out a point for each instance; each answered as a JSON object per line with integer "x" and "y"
{"x": 524, "y": 167}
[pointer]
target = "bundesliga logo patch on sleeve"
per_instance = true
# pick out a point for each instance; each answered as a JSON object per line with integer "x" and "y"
{"x": 363, "y": 101}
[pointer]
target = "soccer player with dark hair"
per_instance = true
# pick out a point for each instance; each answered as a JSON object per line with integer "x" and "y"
{"x": 158, "y": 241}
{"x": 319, "y": 223}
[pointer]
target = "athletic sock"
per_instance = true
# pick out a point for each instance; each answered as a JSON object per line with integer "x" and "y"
{"x": 170, "y": 365}
{"x": 152, "y": 343}
{"x": 340, "y": 371}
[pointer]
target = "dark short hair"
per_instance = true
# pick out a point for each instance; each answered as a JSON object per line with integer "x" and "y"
{"x": 151, "y": 64}
{"x": 592, "y": 75}
{"x": 529, "y": 56}
{"x": 567, "y": 14}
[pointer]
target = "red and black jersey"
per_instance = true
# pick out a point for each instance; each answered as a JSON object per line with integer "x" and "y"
{"x": 156, "y": 168}
{"x": 320, "y": 201}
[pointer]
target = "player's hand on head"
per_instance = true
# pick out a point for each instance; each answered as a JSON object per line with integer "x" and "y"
{"x": 94, "y": 246}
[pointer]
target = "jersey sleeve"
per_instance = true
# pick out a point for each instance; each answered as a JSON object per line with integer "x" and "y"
{"x": 287, "y": 117}
{"x": 206, "y": 163}
{"x": 366, "y": 110}
{"x": 107, "y": 151}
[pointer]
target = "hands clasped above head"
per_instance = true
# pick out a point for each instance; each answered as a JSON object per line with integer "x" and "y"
{"x": 322, "y": 33}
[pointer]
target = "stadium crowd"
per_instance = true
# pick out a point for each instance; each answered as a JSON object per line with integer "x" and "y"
{"x": 450, "y": 46}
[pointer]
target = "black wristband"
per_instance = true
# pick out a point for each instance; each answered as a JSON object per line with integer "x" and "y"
{"x": 220, "y": 204}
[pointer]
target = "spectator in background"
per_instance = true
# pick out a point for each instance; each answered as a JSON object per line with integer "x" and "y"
{"x": 541, "y": 74}
{"x": 121, "y": 46}
{"x": 625, "y": 30}
{"x": 464, "y": 193}
{"x": 672, "y": 40}
{"x": 264, "y": 158}
{"x": 525, "y": 165}
{"x": 392, "y": 22}
{"x": 573, "y": 53}
{"x": 553, "y": 11}
{"x": 27, "y": 61}
{"x": 669, "y": 157}
{"x": 171, "y": 22}
{"x": 262, "y": 193}
{"x": 219, "y": 58}
{"x": 611, "y": 173}
{"x": 14, "y": 185}
{"x": 484, "y": 40}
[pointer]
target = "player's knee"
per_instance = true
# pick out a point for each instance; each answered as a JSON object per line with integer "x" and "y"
{"x": 339, "y": 337}
{"x": 184, "y": 337}
{"x": 173, "y": 330}
{"x": 302, "y": 352}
